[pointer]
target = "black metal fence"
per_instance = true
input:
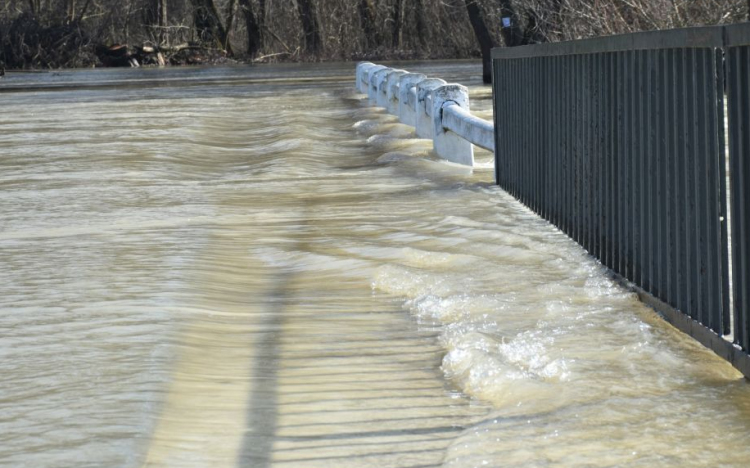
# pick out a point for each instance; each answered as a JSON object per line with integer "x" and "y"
{"x": 619, "y": 141}
{"x": 738, "y": 98}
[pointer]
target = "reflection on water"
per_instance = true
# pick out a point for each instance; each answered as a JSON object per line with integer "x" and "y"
{"x": 197, "y": 270}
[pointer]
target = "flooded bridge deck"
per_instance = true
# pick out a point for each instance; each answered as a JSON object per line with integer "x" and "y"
{"x": 199, "y": 271}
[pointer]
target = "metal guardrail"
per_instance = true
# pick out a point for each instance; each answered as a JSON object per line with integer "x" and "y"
{"x": 438, "y": 110}
{"x": 620, "y": 142}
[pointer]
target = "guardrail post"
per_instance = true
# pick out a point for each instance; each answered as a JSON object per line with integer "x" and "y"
{"x": 423, "y": 112}
{"x": 367, "y": 75}
{"x": 407, "y": 106}
{"x": 376, "y": 77}
{"x": 382, "y": 93}
{"x": 391, "y": 91}
{"x": 447, "y": 144}
{"x": 362, "y": 68}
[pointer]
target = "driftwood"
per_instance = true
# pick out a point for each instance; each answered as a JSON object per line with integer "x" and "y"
{"x": 122, "y": 55}
{"x": 118, "y": 55}
{"x": 264, "y": 58}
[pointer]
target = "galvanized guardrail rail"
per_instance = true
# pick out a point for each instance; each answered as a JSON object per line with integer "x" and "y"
{"x": 620, "y": 142}
{"x": 438, "y": 110}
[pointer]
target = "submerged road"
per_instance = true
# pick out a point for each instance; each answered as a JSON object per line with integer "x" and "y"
{"x": 198, "y": 271}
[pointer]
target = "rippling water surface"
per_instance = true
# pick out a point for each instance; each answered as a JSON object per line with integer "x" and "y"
{"x": 251, "y": 267}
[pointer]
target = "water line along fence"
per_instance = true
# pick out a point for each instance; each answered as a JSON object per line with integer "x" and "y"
{"x": 438, "y": 110}
{"x": 620, "y": 142}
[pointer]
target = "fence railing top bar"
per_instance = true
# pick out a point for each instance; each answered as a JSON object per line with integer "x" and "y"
{"x": 685, "y": 38}
{"x": 737, "y": 34}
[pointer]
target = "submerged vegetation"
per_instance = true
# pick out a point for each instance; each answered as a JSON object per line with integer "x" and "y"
{"x": 80, "y": 33}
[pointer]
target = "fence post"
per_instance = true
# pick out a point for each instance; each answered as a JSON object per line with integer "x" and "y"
{"x": 391, "y": 91}
{"x": 423, "y": 119}
{"x": 447, "y": 144}
{"x": 406, "y": 108}
{"x": 375, "y": 79}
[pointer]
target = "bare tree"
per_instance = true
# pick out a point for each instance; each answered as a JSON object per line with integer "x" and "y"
{"x": 208, "y": 24}
{"x": 367, "y": 23}
{"x": 35, "y": 7}
{"x": 253, "y": 28}
{"x": 70, "y": 10}
{"x": 261, "y": 22}
{"x": 310, "y": 27}
{"x": 420, "y": 23}
{"x": 231, "y": 10}
{"x": 486, "y": 43}
{"x": 162, "y": 21}
{"x": 397, "y": 23}
{"x": 56, "y": 33}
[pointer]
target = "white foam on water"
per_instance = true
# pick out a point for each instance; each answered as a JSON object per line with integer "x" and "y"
{"x": 532, "y": 324}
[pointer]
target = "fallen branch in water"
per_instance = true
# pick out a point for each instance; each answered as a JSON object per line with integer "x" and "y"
{"x": 263, "y": 58}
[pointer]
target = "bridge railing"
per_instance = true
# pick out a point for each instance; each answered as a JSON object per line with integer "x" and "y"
{"x": 620, "y": 142}
{"x": 438, "y": 110}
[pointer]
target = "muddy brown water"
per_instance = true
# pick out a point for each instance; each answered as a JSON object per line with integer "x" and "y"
{"x": 251, "y": 267}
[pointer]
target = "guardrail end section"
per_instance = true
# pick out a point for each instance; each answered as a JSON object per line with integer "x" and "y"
{"x": 362, "y": 67}
{"x": 449, "y": 145}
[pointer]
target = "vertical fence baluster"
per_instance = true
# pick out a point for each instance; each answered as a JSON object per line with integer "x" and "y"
{"x": 711, "y": 84}
{"x": 637, "y": 174}
{"x": 722, "y": 232}
{"x": 673, "y": 195}
{"x": 701, "y": 124}
{"x": 613, "y": 131}
{"x": 739, "y": 102}
{"x": 629, "y": 159}
{"x": 646, "y": 176}
{"x": 666, "y": 186}
{"x": 587, "y": 154}
{"x": 556, "y": 145}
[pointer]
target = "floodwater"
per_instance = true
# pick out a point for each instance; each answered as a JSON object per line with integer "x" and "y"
{"x": 250, "y": 267}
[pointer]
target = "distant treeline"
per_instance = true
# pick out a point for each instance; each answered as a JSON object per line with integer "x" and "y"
{"x": 74, "y": 33}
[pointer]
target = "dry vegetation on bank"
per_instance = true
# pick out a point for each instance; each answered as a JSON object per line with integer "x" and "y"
{"x": 80, "y": 33}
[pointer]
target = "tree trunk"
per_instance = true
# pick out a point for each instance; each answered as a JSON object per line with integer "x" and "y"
{"x": 208, "y": 24}
{"x": 253, "y": 28}
{"x": 157, "y": 18}
{"x": 261, "y": 24}
{"x": 397, "y": 19}
{"x": 163, "y": 22}
{"x": 483, "y": 37}
{"x": 367, "y": 22}
{"x": 70, "y": 11}
{"x": 421, "y": 23}
{"x": 310, "y": 26}
{"x": 34, "y": 6}
{"x": 512, "y": 33}
{"x": 231, "y": 8}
